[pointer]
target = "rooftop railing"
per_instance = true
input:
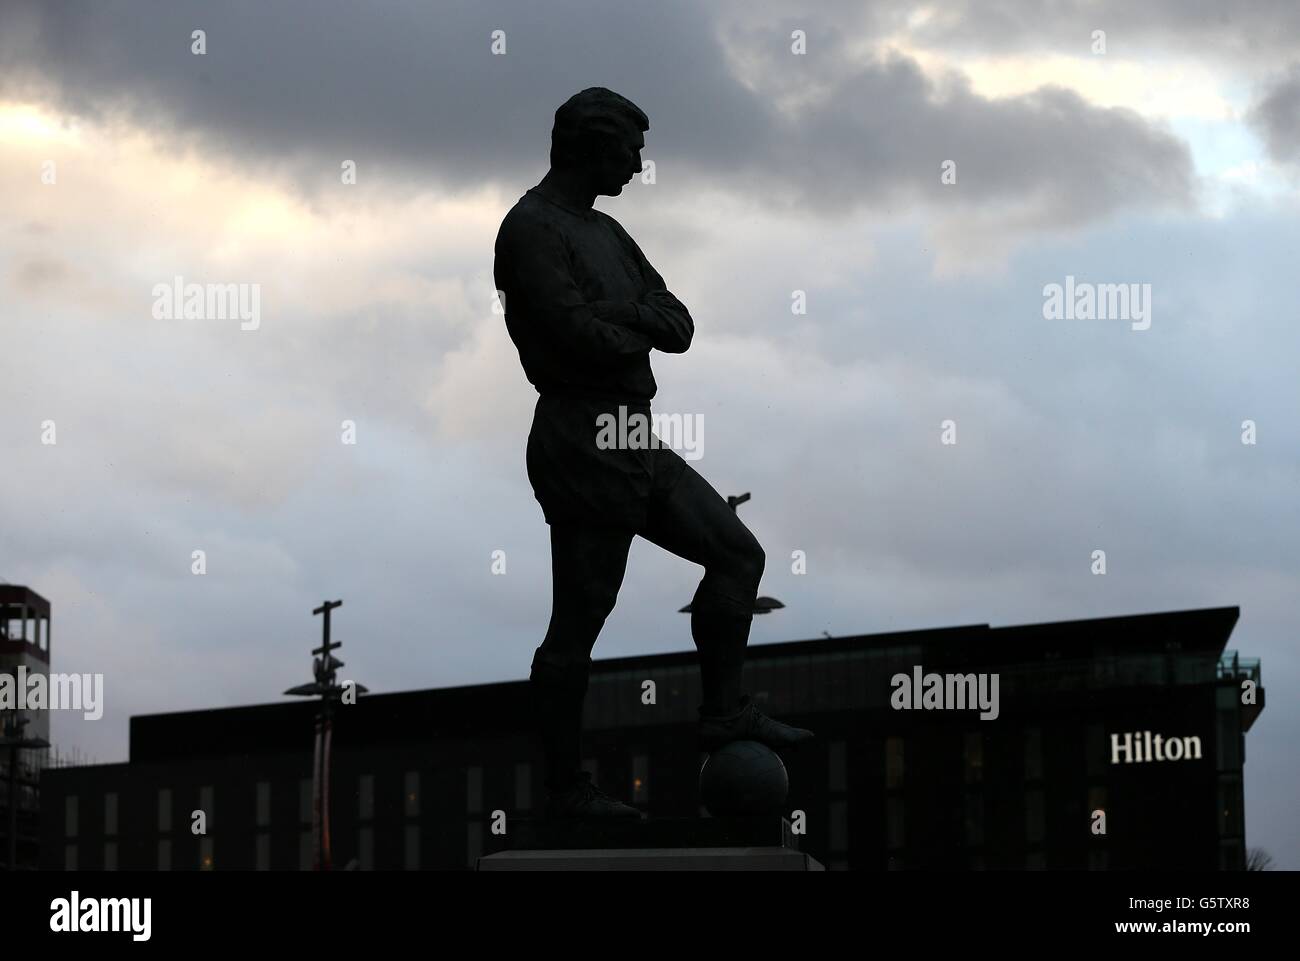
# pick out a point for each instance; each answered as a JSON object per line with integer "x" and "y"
{"x": 1232, "y": 665}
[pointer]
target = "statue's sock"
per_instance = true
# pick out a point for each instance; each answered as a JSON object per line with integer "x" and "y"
{"x": 558, "y": 691}
{"x": 720, "y": 635}
{"x": 559, "y": 721}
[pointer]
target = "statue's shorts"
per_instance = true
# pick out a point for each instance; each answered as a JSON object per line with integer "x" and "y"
{"x": 580, "y": 477}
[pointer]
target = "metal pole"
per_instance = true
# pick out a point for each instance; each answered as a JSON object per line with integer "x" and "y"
{"x": 327, "y": 856}
{"x": 325, "y": 687}
{"x": 12, "y": 863}
{"x": 316, "y": 818}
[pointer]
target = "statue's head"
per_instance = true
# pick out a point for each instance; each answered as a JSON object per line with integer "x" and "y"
{"x": 598, "y": 134}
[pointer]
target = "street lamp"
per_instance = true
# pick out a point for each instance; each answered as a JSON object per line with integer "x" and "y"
{"x": 329, "y": 691}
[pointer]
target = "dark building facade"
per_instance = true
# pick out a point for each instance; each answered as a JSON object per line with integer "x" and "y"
{"x": 1076, "y": 771}
{"x": 24, "y": 651}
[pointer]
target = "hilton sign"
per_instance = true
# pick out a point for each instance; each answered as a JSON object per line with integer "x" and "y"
{"x": 1142, "y": 746}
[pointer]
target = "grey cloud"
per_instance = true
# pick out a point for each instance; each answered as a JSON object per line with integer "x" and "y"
{"x": 1276, "y": 116}
{"x": 414, "y": 94}
{"x": 39, "y": 274}
{"x": 409, "y": 84}
{"x": 883, "y": 134}
{"x": 1241, "y": 33}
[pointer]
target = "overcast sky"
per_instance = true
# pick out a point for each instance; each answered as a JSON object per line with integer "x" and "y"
{"x": 1172, "y": 159}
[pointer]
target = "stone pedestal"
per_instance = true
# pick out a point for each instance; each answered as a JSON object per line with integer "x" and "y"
{"x": 652, "y": 844}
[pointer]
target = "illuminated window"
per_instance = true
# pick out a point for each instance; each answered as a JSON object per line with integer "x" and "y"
{"x": 894, "y": 762}
{"x": 366, "y": 797}
{"x": 640, "y": 779}
{"x": 206, "y": 861}
{"x": 1096, "y": 799}
{"x": 263, "y": 803}
{"x": 411, "y": 803}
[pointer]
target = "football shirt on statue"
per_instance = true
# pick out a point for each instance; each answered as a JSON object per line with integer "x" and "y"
{"x": 553, "y": 263}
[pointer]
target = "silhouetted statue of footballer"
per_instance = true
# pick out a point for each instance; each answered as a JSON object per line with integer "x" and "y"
{"x": 585, "y": 309}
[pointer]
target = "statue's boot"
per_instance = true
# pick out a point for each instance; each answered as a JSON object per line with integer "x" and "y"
{"x": 720, "y": 628}
{"x": 582, "y": 799}
{"x": 747, "y": 723}
{"x": 558, "y": 692}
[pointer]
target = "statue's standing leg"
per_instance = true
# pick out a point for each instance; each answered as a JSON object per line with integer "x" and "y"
{"x": 587, "y": 568}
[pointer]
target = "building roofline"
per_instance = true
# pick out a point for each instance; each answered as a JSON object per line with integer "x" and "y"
{"x": 19, "y": 594}
{"x": 1213, "y": 626}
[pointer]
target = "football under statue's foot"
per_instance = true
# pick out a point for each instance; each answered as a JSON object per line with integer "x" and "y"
{"x": 584, "y": 801}
{"x": 747, "y": 723}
